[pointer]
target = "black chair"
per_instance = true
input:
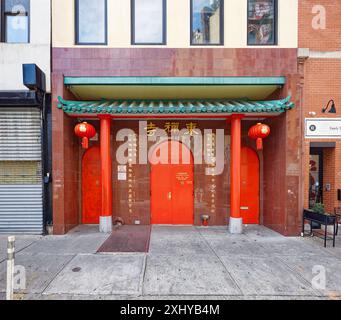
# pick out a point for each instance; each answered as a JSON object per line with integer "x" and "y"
{"x": 337, "y": 211}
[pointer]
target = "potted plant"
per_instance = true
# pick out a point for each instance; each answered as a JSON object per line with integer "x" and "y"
{"x": 318, "y": 208}
{"x": 318, "y": 213}
{"x": 204, "y": 220}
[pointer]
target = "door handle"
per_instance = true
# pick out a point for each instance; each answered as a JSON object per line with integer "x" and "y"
{"x": 169, "y": 196}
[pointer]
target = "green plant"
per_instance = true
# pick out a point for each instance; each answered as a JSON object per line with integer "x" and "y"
{"x": 319, "y": 208}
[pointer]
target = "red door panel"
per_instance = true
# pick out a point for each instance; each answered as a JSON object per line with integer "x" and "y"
{"x": 182, "y": 193}
{"x": 250, "y": 186}
{"x": 172, "y": 199}
{"x": 91, "y": 186}
{"x": 161, "y": 204}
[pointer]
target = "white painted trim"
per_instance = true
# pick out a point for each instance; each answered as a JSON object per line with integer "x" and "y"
{"x": 307, "y": 53}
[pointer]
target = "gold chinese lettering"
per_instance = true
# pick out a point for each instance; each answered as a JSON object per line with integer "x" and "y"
{"x": 191, "y": 129}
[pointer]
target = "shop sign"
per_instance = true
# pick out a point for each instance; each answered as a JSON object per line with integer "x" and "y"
{"x": 173, "y": 127}
{"x": 323, "y": 128}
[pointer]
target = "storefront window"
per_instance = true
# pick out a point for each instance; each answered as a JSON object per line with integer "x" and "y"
{"x": 262, "y": 22}
{"x": 206, "y": 22}
{"x": 15, "y": 21}
{"x": 148, "y": 21}
{"x": 91, "y": 21}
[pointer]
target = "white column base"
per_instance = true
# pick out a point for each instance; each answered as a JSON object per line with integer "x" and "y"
{"x": 236, "y": 225}
{"x": 105, "y": 224}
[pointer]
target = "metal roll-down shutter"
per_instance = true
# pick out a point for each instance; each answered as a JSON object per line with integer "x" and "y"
{"x": 21, "y": 191}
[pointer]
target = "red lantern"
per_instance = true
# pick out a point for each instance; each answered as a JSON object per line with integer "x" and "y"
{"x": 85, "y": 131}
{"x": 259, "y": 132}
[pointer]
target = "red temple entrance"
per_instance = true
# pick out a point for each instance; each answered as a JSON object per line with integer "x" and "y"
{"x": 91, "y": 186}
{"x": 250, "y": 186}
{"x": 172, "y": 193}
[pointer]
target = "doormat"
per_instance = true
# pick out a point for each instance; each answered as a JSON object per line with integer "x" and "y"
{"x": 127, "y": 239}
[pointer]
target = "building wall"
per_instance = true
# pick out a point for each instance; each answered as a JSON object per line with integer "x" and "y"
{"x": 184, "y": 62}
{"x": 320, "y": 58}
{"x": 322, "y": 82}
{"x": 178, "y": 23}
{"x": 283, "y": 199}
{"x": 65, "y": 164}
{"x": 284, "y": 163}
{"x": 38, "y": 51}
{"x": 317, "y": 39}
{"x": 140, "y": 196}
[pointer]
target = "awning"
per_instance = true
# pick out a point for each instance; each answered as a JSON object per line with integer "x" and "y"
{"x": 170, "y": 88}
{"x": 19, "y": 98}
{"x": 204, "y": 107}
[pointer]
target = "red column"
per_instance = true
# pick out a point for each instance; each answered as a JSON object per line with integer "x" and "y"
{"x": 235, "y": 218}
{"x": 106, "y": 170}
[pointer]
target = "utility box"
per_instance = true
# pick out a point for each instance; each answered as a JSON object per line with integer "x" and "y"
{"x": 33, "y": 77}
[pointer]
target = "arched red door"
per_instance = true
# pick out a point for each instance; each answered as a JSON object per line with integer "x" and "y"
{"x": 172, "y": 196}
{"x": 91, "y": 186}
{"x": 250, "y": 186}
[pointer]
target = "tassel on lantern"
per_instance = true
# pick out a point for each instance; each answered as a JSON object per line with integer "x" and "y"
{"x": 259, "y": 144}
{"x": 85, "y": 143}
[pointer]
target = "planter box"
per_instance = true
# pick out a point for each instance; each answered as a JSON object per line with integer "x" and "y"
{"x": 322, "y": 219}
{"x": 319, "y": 217}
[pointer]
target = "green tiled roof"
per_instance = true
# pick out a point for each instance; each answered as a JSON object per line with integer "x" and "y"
{"x": 174, "y": 107}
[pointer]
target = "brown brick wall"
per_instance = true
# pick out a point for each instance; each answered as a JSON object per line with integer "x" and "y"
{"x": 65, "y": 164}
{"x": 282, "y": 206}
{"x": 328, "y": 39}
{"x": 174, "y": 62}
{"x": 274, "y": 175}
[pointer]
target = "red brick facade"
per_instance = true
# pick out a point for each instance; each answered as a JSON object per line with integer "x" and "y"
{"x": 328, "y": 39}
{"x": 322, "y": 82}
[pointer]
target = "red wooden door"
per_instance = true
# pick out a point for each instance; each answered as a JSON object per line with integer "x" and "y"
{"x": 172, "y": 200}
{"x": 91, "y": 186}
{"x": 250, "y": 186}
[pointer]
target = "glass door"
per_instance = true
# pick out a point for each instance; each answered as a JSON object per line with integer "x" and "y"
{"x": 315, "y": 176}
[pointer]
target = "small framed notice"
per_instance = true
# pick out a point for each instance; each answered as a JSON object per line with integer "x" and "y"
{"x": 122, "y": 176}
{"x": 122, "y": 173}
{"x": 122, "y": 169}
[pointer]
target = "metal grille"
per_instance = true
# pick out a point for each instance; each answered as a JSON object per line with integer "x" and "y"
{"x": 20, "y": 137}
{"x": 21, "y": 194}
{"x": 21, "y": 209}
{"x": 20, "y": 172}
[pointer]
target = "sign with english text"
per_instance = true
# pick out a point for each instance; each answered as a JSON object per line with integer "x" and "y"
{"x": 323, "y": 128}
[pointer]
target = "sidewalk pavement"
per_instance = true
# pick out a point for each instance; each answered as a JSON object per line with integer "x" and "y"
{"x": 182, "y": 263}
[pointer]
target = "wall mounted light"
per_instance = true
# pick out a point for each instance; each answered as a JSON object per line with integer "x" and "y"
{"x": 332, "y": 108}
